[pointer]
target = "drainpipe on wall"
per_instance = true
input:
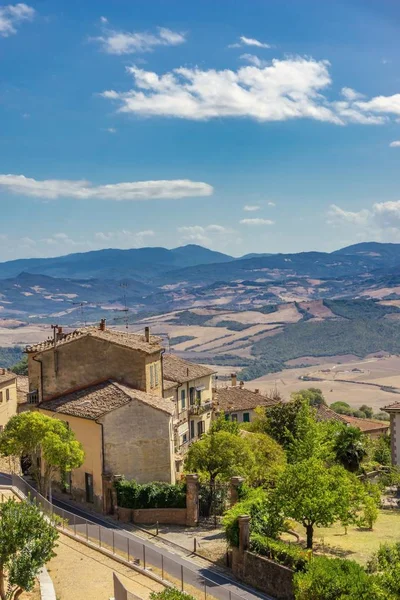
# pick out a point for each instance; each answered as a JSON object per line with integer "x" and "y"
{"x": 41, "y": 376}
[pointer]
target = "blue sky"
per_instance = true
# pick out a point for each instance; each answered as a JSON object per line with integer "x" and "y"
{"x": 244, "y": 126}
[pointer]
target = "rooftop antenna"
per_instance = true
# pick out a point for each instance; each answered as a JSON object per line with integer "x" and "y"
{"x": 124, "y": 287}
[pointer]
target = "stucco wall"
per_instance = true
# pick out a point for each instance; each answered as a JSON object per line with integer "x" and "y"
{"x": 138, "y": 443}
{"x": 8, "y": 408}
{"x": 395, "y": 437}
{"x": 89, "y": 360}
{"x": 240, "y": 413}
{"x": 88, "y": 433}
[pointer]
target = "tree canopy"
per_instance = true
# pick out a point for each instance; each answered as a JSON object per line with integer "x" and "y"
{"x": 27, "y": 542}
{"x": 350, "y": 447}
{"x": 37, "y": 435}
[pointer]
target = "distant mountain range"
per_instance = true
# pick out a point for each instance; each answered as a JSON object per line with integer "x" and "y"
{"x": 156, "y": 280}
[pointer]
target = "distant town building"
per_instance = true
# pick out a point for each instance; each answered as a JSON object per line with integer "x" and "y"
{"x": 8, "y": 396}
{"x": 373, "y": 428}
{"x": 238, "y": 403}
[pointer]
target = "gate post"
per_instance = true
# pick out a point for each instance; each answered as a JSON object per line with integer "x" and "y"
{"x": 192, "y": 500}
{"x": 244, "y": 533}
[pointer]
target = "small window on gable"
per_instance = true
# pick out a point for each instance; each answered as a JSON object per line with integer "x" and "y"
{"x": 246, "y": 417}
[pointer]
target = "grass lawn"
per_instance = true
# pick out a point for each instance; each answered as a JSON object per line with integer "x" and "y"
{"x": 358, "y": 544}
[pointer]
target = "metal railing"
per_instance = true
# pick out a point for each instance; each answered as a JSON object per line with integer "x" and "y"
{"x": 129, "y": 547}
{"x": 199, "y": 409}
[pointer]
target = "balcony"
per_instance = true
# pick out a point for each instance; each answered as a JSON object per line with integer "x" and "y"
{"x": 199, "y": 409}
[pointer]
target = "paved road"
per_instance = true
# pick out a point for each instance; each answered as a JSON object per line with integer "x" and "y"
{"x": 146, "y": 551}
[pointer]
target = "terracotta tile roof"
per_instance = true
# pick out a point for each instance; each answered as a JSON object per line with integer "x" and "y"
{"x": 7, "y": 377}
{"x": 128, "y": 340}
{"x": 366, "y": 425}
{"x": 98, "y": 400}
{"x": 232, "y": 398}
{"x": 22, "y": 388}
{"x": 180, "y": 370}
{"x": 395, "y": 406}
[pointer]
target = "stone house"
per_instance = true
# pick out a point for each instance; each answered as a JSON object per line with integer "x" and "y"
{"x": 238, "y": 403}
{"x": 108, "y": 386}
{"x": 189, "y": 387}
{"x": 8, "y": 397}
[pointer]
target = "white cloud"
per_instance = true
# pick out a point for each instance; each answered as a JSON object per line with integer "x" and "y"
{"x": 254, "y": 60}
{"x": 245, "y": 41}
{"x": 380, "y": 222}
{"x": 251, "y": 207}
{"x": 271, "y": 204}
{"x": 336, "y": 214}
{"x": 289, "y": 88}
{"x": 103, "y": 20}
{"x": 257, "y": 222}
{"x": 111, "y": 130}
{"x": 82, "y": 190}
{"x": 120, "y": 42}
{"x": 124, "y": 238}
{"x": 207, "y": 235}
{"x": 395, "y": 144}
{"x": 12, "y": 15}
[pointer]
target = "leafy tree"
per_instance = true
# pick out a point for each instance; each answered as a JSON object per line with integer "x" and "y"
{"x": 382, "y": 450}
{"x": 342, "y": 408}
{"x": 269, "y": 459}
{"x": 37, "y": 435}
{"x": 313, "y": 396}
{"x": 27, "y": 542}
{"x": 219, "y": 455}
{"x": 314, "y": 495}
{"x": 385, "y": 564}
{"x": 309, "y": 438}
{"x": 279, "y": 421}
{"x": 222, "y": 424}
{"x": 350, "y": 446}
{"x": 367, "y": 410}
{"x": 21, "y": 367}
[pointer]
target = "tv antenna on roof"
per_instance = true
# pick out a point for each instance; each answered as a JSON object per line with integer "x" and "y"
{"x": 124, "y": 287}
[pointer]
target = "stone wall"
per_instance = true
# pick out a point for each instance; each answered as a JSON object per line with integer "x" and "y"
{"x": 263, "y": 574}
{"x": 150, "y": 516}
{"x": 138, "y": 443}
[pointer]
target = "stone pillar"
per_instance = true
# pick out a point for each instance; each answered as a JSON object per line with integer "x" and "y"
{"x": 192, "y": 500}
{"x": 109, "y": 493}
{"x": 236, "y": 482}
{"x": 244, "y": 533}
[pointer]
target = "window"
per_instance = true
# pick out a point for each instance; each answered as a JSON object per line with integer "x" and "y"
{"x": 151, "y": 375}
{"x": 200, "y": 428}
{"x": 156, "y": 373}
{"x": 183, "y": 399}
{"x": 198, "y": 396}
{"x": 246, "y": 417}
{"x": 226, "y": 416}
{"x": 191, "y": 429}
{"x": 1, "y": 428}
{"x": 191, "y": 396}
{"x": 184, "y": 438}
{"x": 1, "y": 396}
{"x": 234, "y": 417}
{"x": 7, "y": 394}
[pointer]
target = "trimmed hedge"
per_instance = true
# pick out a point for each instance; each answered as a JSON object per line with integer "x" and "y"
{"x": 131, "y": 494}
{"x": 170, "y": 594}
{"x": 280, "y": 552}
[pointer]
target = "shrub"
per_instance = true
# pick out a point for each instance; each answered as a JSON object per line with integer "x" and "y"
{"x": 131, "y": 494}
{"x": 334, "y": 579}
{"x": 262, "y": 521}
{"x": 285, "y": 554}
{"x": 170, "y": 594}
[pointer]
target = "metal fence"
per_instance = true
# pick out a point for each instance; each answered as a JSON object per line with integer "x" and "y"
{"x": 129, "y": 547}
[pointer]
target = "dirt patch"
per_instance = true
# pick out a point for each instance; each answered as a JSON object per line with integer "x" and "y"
{"x": 81, "y": 573}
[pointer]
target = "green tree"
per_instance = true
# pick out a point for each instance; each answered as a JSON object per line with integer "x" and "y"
{"x": 310, "y": 438}
{"x": 313, "y": 396}
{"x": 222, "y": 424}
{"x": 367, "y": 410}
{"x": 382, "y": 450}
{"x": 21, "y": 367}
{"x": 350, "y": 447}
{"x": 269, "y": 459}
{"x": 37, "y": 435}
{"x": 385, "y": 565}
{"x": 314, "y": 495}
{"x": 219, "y": 455}
{"x": 27, "y": 542}
{"x": 280, "y": 421}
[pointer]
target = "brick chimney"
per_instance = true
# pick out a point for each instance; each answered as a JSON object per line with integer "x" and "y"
{"x": 102, "y": 325}
{"x": 241, "y": 384}
{"x": 147, "y": 334}
{"x": 233, "y": 379}
{"x": 59, "y": 333}
{"x": 256, "y": 391}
